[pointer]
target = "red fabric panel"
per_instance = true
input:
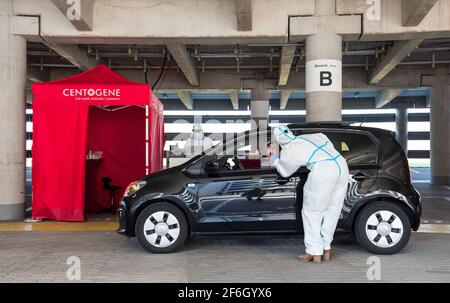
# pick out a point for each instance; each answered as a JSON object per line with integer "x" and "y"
{"x": 91, "y": 94}
{"x": 251, "y": 163}
{"x": 99, "y": 74}
{"x": 97, "y": 86}
{"x": 59, "y": 146}
{"x": 93, "y": 197}
{"x": 120, "y": 135}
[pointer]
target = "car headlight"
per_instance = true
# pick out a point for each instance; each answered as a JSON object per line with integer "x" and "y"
{"x": 134, "y": 187}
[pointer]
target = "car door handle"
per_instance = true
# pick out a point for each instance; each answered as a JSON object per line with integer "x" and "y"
{"x": 359, "y": 176}
{"x": 281, "y": 181}
{"x": 257, "y": 193}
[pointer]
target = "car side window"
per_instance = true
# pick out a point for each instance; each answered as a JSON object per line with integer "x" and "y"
{"x": 356, "y": 148}
{"x": 196, "y": 168}
{"x": 246, "y": 153}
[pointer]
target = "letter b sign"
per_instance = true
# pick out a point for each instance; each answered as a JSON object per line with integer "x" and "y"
{"x": 325, "y": 78}
{"x": 324, "y": 75}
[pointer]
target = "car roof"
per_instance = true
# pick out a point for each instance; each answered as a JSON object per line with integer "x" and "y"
{"x": 347, "y": 125}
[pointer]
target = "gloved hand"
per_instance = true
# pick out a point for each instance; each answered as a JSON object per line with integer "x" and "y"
{"x": 274, "y": 157}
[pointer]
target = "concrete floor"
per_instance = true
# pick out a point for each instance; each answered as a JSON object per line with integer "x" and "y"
{"x": 107, "y": 257}
{"x": 436, "y": 203}
{"x": 420, "y": 174}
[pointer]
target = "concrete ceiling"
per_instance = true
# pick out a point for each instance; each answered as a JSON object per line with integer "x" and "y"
{"x": 244, "y": 61}
{"x": 240, "y": 57}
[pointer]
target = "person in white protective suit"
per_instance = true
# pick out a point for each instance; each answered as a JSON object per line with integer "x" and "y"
{"x": 197, "y": 143}
{"x": 324, "y": 191}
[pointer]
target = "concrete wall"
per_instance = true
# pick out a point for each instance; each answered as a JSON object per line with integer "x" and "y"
{"x": 214, "y": 21}
{"x": 157, "y": 21}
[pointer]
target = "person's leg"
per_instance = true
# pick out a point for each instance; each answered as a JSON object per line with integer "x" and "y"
{"x": 316, "y": 197}
{"x": 333, "y": 211}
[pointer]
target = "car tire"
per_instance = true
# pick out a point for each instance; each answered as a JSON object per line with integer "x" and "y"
{"x": 161, "y": 228}
{"x": 383, "y": 228}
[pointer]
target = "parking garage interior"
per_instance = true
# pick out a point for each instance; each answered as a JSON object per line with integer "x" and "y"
{"x": 222, "y": 63}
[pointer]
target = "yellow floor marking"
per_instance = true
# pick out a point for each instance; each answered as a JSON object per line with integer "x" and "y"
{"x": 434, "y": 228}
{"x": 59, "y": 226}
{"x": 112, "y": 225}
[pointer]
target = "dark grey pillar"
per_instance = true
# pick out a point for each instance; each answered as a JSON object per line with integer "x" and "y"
{"x": 440, "y": 134}
{"x": 401, "y": 127}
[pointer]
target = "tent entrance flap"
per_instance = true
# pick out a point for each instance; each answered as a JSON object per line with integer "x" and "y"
{"x": 59, "y": 161}
{"x": 120, "y": 137}
{"x": 67, "y": 123}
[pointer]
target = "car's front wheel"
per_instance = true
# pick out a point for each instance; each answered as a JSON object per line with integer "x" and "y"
{"x": 383, "y": 228}
{"x": 161, "y": 228}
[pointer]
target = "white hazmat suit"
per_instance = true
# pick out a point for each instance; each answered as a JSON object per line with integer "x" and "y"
{"x": 325, "y": 189}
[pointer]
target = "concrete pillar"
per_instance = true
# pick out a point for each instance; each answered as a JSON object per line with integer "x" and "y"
{"x": 12, "y": 118}
{"x": 325, "y": 8}
{"x": 324, "y": 77}
{"x": 440, "y": 134}
{"x": 259, "y": 107}
{"x": 401, "y": 127}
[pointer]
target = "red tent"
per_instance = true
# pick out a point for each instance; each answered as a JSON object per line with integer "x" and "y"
{"x": 97, "y": 110}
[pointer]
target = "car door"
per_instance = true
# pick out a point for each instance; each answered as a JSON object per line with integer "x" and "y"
{"x": 249, "y": 199}
{"x": 361, "y": 151}
{"x": 255, "y": 200}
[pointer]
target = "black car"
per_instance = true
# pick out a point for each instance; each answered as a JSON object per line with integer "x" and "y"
{"x": 232, "y": 189}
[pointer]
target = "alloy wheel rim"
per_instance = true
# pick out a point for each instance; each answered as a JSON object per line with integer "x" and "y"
{"x": 161, "y": 229}
{"x": 384, "y": 229}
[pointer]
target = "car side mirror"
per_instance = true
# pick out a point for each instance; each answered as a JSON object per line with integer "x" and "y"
{"x": 212, "y": 167}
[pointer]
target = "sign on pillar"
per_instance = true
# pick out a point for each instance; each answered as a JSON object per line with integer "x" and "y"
{"x": 323, "y": 75}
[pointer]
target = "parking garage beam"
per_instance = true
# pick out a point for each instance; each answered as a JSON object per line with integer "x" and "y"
{"x": 79, "y": 13}
{"x": 184, "y": 61}
{"x": 13, "y": 74}
{"x": 414, "y": 11}
{"x": 393, "y": 57}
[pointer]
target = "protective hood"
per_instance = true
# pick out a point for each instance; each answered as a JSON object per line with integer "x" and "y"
{"x": 283, "y": 135}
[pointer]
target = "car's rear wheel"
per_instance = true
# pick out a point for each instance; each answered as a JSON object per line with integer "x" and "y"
{"x": 161, "y": 228}
{"x": 383, "y": 228}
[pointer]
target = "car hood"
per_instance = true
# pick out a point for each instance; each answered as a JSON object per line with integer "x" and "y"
{"x": 169, "y": 171}
{"x": 162, "y": 173}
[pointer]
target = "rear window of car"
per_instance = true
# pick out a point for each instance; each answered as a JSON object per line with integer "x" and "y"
{"x": 356, "y": 148}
